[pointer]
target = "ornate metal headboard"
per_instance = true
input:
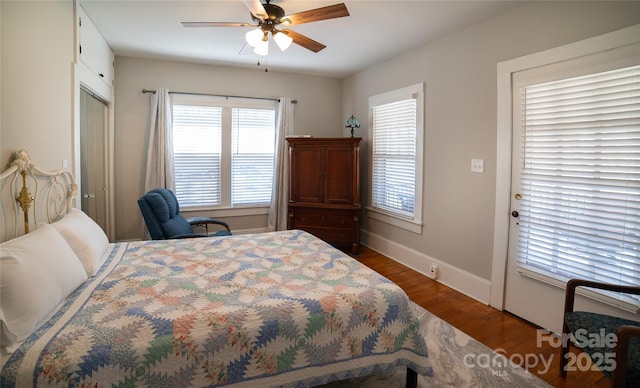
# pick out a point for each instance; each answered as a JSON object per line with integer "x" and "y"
{"x": 30, "y": 195}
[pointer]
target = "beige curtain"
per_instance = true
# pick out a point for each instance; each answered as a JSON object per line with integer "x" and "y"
{"x": 277, "y": 219}
{"x": 160, "y": 150}
{"x": 159, "y": 171}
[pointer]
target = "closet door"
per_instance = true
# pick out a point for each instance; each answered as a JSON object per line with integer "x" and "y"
{"x": 93, "y": 122}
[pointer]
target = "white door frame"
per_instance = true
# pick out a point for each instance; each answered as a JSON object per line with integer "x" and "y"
{"x": 626, "y": 36}
{"x": 107, "y": 98}
{"x": 83, "y": 77}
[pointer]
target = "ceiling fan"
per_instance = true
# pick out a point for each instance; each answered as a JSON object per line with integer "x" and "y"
{"x": 268, "y": 17}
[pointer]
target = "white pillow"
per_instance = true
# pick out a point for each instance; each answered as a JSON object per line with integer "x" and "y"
{"x": 86, "y": 238}
{"x": 37, "y": 272}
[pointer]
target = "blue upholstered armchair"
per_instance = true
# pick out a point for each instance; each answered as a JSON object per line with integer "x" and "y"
{"x": 161, "y": 213}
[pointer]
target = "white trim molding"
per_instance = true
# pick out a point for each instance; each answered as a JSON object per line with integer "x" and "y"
{"x": 462, "y": 281}
{"x": 413, "y": 222}
{"x": 612, "y": 40}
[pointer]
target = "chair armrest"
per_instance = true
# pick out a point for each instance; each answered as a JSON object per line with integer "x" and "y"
{"x": 624, "y": 334}
{"x": 189, "y": 235}
{"x": 207, "y": 220}
{"x": 574, "y": 283}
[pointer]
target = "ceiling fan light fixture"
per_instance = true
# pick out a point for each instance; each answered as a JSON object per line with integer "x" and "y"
{"x": 267, "y": 17}
{"x": 282, "y": 40}
{"x": 254, "y": 37}
{"x": 262, "y": 48}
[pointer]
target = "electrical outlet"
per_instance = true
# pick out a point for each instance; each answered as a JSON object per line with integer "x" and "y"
{"x": 433, "y": 271}
{"x": 477, "y": 165}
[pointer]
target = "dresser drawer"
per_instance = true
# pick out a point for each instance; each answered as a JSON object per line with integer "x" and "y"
{"x": 339, "y": 227}
{"x": 338, "y": 237}
{"x": 323, "y": 218}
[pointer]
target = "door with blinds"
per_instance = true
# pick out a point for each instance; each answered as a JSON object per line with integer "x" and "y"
{"x": 575, "y": 197}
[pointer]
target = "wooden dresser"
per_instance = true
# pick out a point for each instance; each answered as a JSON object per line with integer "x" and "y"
{"x": 324, "y": 189}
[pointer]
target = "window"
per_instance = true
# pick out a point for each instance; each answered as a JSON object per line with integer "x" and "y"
{"x": 252, "y": 154}
{"x": 223, "y": 151}
{"x": 197, "y": 154}
{"x": 581, "y": 177}
{"x": 397, "y": 127}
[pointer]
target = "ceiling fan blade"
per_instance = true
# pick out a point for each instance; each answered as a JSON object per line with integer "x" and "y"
{"x": 304, "y": 41}
{"x": 313, "y": 15}
{"x": 217, "y": 24}
{"x": 256, "y": 8}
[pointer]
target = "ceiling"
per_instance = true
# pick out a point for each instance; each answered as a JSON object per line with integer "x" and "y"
{"x": 374, "y": 32}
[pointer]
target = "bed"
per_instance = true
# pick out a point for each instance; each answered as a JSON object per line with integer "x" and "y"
{"x": 269, "y": 309}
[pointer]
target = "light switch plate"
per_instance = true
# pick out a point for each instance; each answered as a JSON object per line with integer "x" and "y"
{"x": 477, "y": 165}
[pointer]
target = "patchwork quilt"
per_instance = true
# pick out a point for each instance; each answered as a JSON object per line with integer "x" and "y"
{"x": 272, "y": 309}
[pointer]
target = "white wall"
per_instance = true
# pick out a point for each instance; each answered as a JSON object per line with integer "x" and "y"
{"x": 460, "y": 114}
{"x": 318, "y": 112}
{"x": 37, "y": 81}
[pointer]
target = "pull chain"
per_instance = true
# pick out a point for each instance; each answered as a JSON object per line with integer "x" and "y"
{"x": 266, "y": 64}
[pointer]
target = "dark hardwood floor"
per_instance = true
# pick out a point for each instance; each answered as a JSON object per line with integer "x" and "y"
{"x": 496, "y": 329}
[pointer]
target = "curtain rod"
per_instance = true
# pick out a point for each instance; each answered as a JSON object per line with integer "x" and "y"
{"x": 144, "y": 91}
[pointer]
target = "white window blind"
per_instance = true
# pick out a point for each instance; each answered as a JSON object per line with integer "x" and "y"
{"x": 394, "y": 157}
{"x": 580, "y": 207}
{"x": 252, "y": 156}
{"x": 197, "y": 153}
{"x": 223, "y": 152}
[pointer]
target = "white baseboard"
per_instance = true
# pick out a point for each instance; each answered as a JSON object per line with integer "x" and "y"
{"x": 453, "y": 277}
